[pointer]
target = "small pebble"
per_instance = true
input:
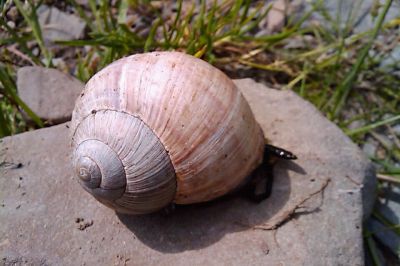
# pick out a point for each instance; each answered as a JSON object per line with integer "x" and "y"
{"x": 11, "y": 24}
{"x": 83, "y": 225}
{"x": 13, "y": 13}
{"x": 369, "y": 148}
{"x": 35, "y": 51}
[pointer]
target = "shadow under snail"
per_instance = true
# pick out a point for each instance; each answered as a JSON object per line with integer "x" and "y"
{"x": 164, "y": 127}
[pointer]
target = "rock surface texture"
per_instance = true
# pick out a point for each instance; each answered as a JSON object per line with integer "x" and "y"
{"x": 48, "y": 92}
{"x": 314, "y": 216}
{"x": 59, "y": 26}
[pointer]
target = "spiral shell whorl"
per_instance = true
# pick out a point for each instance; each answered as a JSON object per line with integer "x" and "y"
{"x": 120, "y": 161}
{"x": 100, "y": 170}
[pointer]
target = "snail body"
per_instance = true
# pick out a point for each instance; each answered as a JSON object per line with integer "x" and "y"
{"x": 162, "y": 127}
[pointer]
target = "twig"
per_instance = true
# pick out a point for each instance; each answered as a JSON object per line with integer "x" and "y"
{"x": 15, "y": 51}
{"x": 387, "y": 178}
{"x": 288, "y": 214}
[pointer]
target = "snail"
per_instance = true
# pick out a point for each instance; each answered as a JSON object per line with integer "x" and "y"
{"x": 164, "y": 127}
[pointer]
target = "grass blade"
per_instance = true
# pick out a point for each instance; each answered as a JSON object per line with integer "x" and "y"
{"x": 344, "y": 88}
{"x": 33, "y": 22}
{"x": 365, "y": 129}
{"x": 150, "y": 39}
{"x": 122, "y": 12}
{"x": 373, "y": 251}
{"x": 10, "y": 89}
{"x": 4, "y": 124}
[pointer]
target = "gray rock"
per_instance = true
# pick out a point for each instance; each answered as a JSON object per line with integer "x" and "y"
{"x": 314, "y": 216}
{"x": 359, "y": 13}
{"x": 305, "y": 123}
{"x": 58, "y": 25}
{"x": 50, "y": 93}
{"x": 370, "y": 147}
{"x": 275, "y": 19}
{"x": 396, "y": 129}
{"x": 392, "y": 58}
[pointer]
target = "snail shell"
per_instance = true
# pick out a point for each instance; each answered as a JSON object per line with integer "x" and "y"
{"x": 162, "y": 127}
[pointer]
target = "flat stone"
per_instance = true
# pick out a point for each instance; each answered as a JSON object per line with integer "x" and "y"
{"x": 59, "y": 26}
{"x": 275, "y": 18}
{"x": 313, "y": 217}
{"x": 51, "y": 94}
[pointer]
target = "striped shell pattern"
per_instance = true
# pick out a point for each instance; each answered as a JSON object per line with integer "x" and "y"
{"x": 162, "y": 127}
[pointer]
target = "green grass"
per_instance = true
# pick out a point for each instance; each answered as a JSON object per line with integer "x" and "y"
{"x": 336, "y": 69}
